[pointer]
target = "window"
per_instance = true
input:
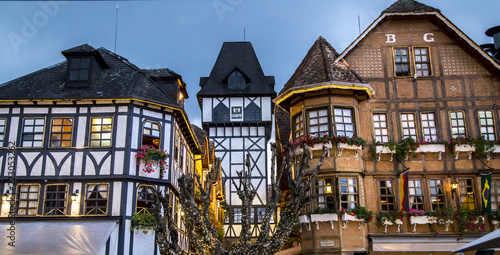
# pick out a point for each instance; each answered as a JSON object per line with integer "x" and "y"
{"x": 343, "y": 122}
{"x": 261, "y": 213}
{"x": 100, "y": 132}
{"x": 324, "y": 193}
{"x": 33, "y": 133}
{"x": 487, "y": 124}
{"x": 298, "y": 124}
{"x": 181, "y": 155}
{"x": 416, "y": 197}
{"x": 428, "y": 126}
{"x": 56, "y": 198}
{"x": 467, "y": 198}
{"x": 176, "y": 146}
{"x": 220, "y": 113}
{"x": 495, "y": 194}
{"x": 79, "y": 69}
{"x": 237, "y": 215}
{"x": 318, "y": 122}
{"x": 252, "y": 112}
{"x": 96, "y": 200}
{"x": 437, "y": 193}
{"x": 348, "y": 192}
{"x": 151, "y": 134}
{"x": 422, "y": 61}
{"x": 236, "y": 80}
{"x": 402, "y": 62}
{"x": 61, "y": 132}
{"x": 27, "y": 199}
{"x": 457, "y": 122}
{"x": 2, "y": 131}
{"x": 408, "y": 126}
{"x": 145, "y": 199}
{"x": 380, "y": 126}
{"x": 387, "y": 199}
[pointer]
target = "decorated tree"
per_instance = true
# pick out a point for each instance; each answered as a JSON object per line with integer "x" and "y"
{"x": 202, "y": 233}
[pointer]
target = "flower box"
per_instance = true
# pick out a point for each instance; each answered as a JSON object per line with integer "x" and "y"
{"x": 331, "y": 217}
{"x": 432, "y": 220}
{"x": 315, "y": 147}
{"x": 347, "y": 217}
{"x": 464, "y": 148}
{"x": 155, "y": 170}
{"x": 342, "y": 146}
{"x": 389, "y": 223}
{"x": 495, "y": 224}
{"x": 496, "y": 149}
{"x": 380, "y": 149}
{"x": 418, "y": 220}
{"x": 303, "y": 219}
{"x": 144, "y": 230}
{"x": 432, "y": 148}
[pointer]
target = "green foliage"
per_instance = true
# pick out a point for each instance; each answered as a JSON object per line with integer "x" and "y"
{"x": 150, "y": 155}
{"x": 360, "y": 212}
{"x": 354, "y": 140}
{"x": 217, "y": 224}
{"x": 415, "y": 212}
{"x": 442, "y": 214}
{"x": 483, "y": 146}
{"x": 320, "y": 210}
{"x": 469, "y": 221}
{"x": 391, "y": 216}
{"x": 143, "y": 220}
{"x": 406, "y": 146}
{"x": 312, "y": 140}
{"x": 494, "y": 216}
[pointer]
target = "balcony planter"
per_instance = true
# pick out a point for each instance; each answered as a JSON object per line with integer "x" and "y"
{"x": 418, "y": 220}
{"x": 144, "y": 230}
{"x": 331, "y": 217}
{"x": 380, "y": 149}
{"x": 305, "y": 219}
{"x": 432, "y": 148}
{"x": 153, "y": 170}
{"x": 315, "y": 147}
{"x": 496, "y": 149}
{"x": 387, "y": 222}
{"x": 464, "y": 148}
{"x": 432, "y": 220}
{"x": 347, "y": 217}
{"x": 342, "y": 146}
{"x": 495, "y": 224}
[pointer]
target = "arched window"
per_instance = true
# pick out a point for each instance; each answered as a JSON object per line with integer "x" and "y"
{"x": 151, "y": 134}
{"x": 236, "y": 80}
{"x": 145, "y": 198}
{"x": 220, "y": 113}
{"x": 252, "y": 112}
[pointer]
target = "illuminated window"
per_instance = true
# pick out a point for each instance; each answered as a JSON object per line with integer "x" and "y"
{"x": 61, "y": 132}
{"x": 343, "y": 121}
{"x": 437, "y": 193}
{"x": 380, "y": 127}
{"x": 422, "y": 61}
{"x": 237, "y": 214}
{"x": 33, "y": 133}
{"x": 100, "y": 132}
{"x": 416, "y": 196}
{"x": 96, "y": 200}
{"x": 151, "y": 134}
{"x": 79, "y": 69}
{"x": 298, "y": 124}
{"x": 402, "y": 62}
{"x": 56, "y": 198}
{"x": 428, "y": 121}
{"x": 408, "y": 125}
{"x": 145, "y": 199}
{"x": 348, "y": 192}
{"x": 325, "y": 197}
{"x": 487, "y": 124}
{"x": 2, "y": 131}
{"x": 318, "y": 122}
{"x": 467, "y": 198}
{"x": 457, "y": 122}
{"x": 27, "y": 199}
{"x": 387, "y": 199}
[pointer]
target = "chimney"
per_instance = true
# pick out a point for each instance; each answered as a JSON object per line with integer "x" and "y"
{"x": 495, "y": 50}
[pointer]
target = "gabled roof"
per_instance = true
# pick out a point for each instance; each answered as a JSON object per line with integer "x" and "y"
{"x": 409, "y": 6}
{"x": 410, "y": 9}
{"x": 318, "y": 66}
{"x": 200, "y": 136}
{"x": 240, "y": 55}
{"x": 120, "y": 80}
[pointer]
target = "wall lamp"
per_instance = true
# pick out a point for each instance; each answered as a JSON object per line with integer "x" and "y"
{"x": 6, "y": 196}
{"x": 454, "y": 187}
{"x": 74, "y": 196}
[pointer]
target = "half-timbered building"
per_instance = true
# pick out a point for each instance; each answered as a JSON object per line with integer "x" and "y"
{"x": 69, "y": 136}
{"x": 235, "y": 101}
{"x": 411, "y": 73}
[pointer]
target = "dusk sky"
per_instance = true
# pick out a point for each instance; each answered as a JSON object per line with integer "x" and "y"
{"x": 186, "y": 36}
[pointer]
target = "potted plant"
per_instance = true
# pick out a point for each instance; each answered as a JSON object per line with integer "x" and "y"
{"x": 432, "y": 146}
{"x": 418, "y": 217}
{"x": 463, "y": 144}
{"x": 441, "y": 215}
{"x": 484, "y": 147}
{"x": 151, "y": 159}
{"x": 144, "y": 221}
{"x": 390, "y": 218}
{"x": 358, "y": 213}
{"x": 469, "y": 221}
{"x": 323, "y": 214}
{"x": 404, "y": 148}
{"x": 383, "y": 148}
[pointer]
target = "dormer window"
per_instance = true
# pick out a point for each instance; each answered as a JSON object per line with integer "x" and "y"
{"x": 79, "y": 69}
{"x": 236, "y": 80}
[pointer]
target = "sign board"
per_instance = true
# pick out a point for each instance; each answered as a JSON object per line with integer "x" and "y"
{"x": 236, "y": 112}
{"x": 326, "y": 243}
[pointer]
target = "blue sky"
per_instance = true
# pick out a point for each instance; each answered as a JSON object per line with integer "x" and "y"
{"x": 186, "y": 36}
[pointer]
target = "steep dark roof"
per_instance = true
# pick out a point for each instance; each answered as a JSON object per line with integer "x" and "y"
{"x": 160, "y": 73}
{"x": 318, "y": 66}
{"x": 282, "y": 118}
{"x": 200, "y": 135}
{"x": 241, "y": 56}
{"x": 84, "y": 48}
{"x": 409, "y": 6}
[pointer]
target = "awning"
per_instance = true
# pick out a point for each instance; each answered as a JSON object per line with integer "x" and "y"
{"x": 55, "y": 237}
{"x": 489, "y": 241}
{"x": 402, "y": 243}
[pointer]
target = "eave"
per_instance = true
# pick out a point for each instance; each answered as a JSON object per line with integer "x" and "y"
{"x": 291, "y": 92}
